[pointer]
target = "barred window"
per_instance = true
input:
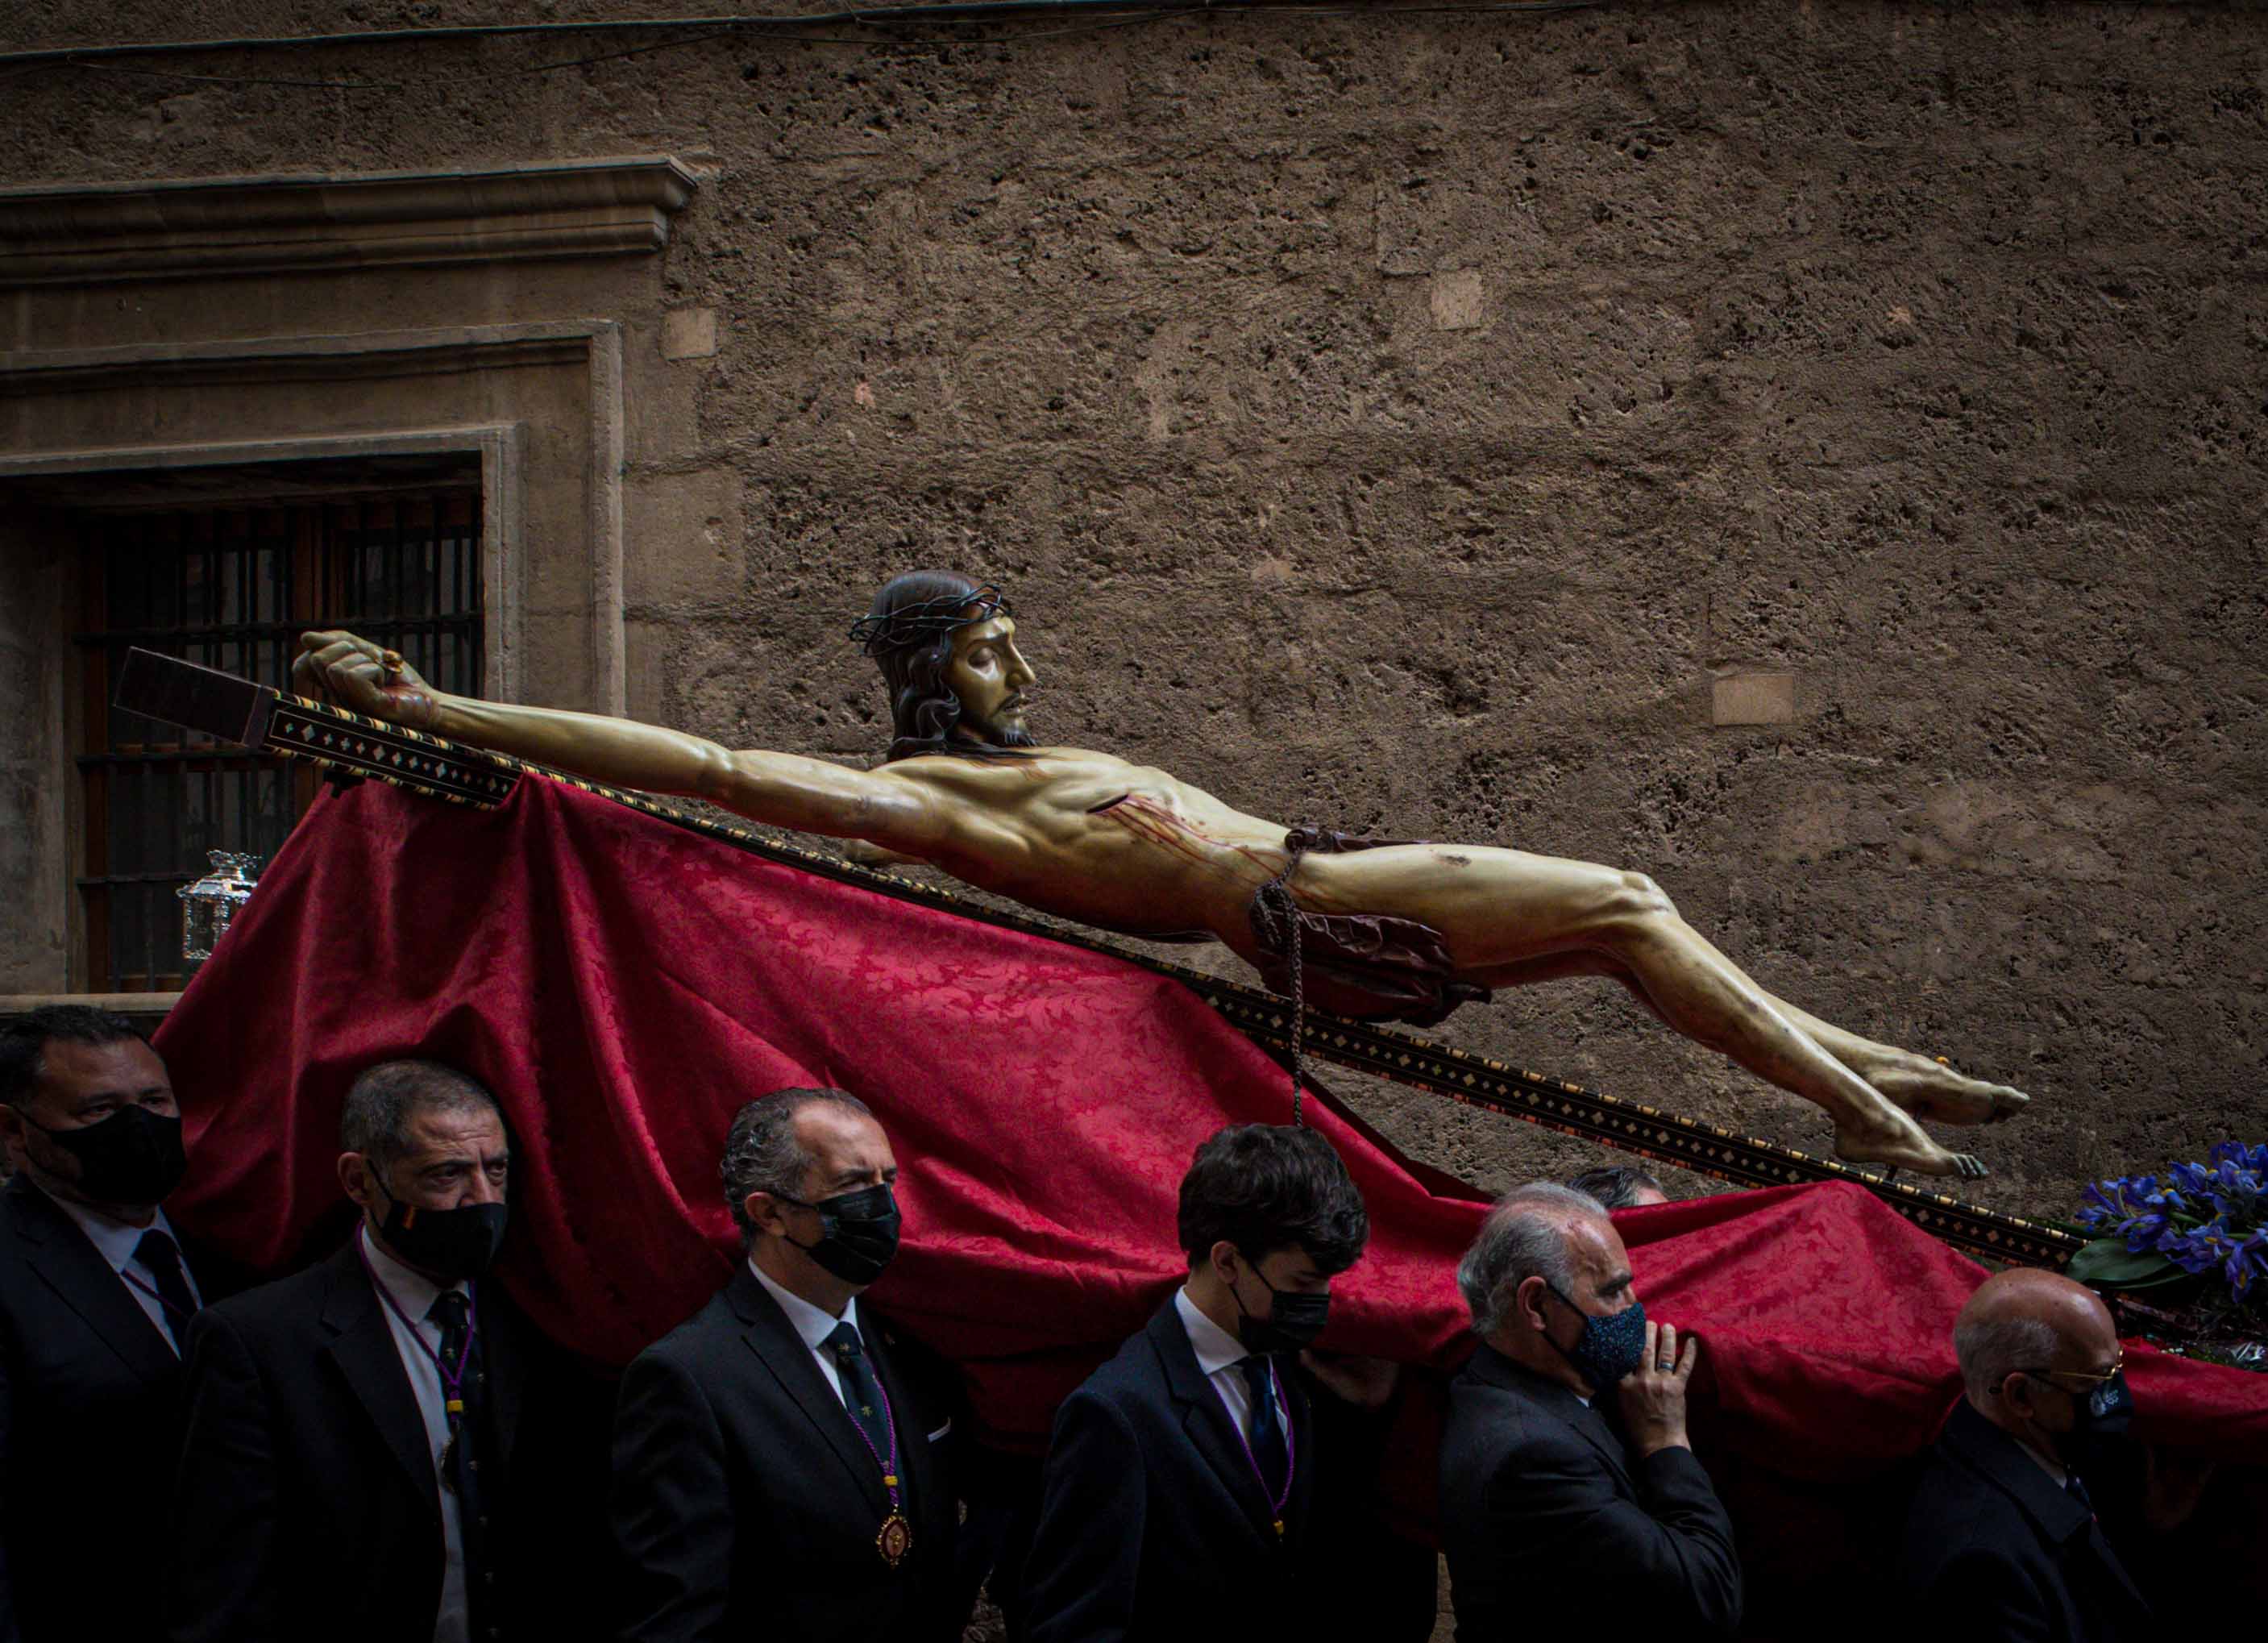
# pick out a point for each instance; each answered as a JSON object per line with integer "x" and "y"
{"x": 233, "y": 586}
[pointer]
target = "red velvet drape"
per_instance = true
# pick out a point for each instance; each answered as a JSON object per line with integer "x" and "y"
{"x": 624, "y": 985}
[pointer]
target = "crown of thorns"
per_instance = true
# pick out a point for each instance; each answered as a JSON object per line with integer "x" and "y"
{"x": 916, "y": 624}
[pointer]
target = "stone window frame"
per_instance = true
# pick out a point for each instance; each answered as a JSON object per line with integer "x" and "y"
{"x": 74, "y": 235}
{"x": 499, "y": 449}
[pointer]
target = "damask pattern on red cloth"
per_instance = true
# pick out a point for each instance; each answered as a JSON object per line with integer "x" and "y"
{"x": 624, "y": 985}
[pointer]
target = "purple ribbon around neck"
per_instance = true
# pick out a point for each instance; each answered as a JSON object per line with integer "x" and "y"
{"x": 1291, "y": 1451}
{"x": 891, "y": 1475}
{"x": 452, "y": 1381}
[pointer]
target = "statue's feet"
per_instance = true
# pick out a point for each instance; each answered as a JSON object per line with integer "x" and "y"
{"x": 1905, "y": 1146}
{"x": 1934, "y": 1091}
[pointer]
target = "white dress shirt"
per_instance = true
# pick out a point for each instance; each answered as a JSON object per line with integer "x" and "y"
{"x": 812, "y": 1325}
{"x": 1220, "y": 1359}
{"x": 416, "y": 1341}
{"x": 115, "y": 1242}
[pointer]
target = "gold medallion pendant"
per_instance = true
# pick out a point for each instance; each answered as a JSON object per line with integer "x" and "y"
{"x": 894, "y": 1539}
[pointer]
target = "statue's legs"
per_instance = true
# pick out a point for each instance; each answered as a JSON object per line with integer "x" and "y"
{"x": 1924, "y": 1087}
{"x": 1504, "y": 910}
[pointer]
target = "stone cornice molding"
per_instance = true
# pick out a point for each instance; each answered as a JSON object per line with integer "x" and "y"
{"x": 202, "y": 226}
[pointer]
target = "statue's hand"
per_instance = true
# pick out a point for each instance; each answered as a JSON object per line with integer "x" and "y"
{"x": 355, "y": 674}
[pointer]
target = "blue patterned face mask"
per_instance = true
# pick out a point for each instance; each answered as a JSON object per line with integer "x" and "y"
{"x": 1609, "y": 1348}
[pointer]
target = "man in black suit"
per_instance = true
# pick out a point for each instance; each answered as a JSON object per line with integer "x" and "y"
{"x": 1543, "y": 1502}
{"x": 1178, "y": 1499}
{"x": 2002, "y": 1540}
{"x": 381, "y": 1450}
{"x": 777, "y": 1473}
{"x": 95, "y": 1299}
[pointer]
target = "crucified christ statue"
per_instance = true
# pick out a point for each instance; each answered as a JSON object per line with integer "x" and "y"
{"x": 1380, "y": 928}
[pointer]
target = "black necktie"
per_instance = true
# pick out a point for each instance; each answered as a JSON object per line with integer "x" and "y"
{"x": 461, "y": 1457}
{"x": 2077, "y": 1491}
{"x": 163, "y": 1259}
{"x": 1270, "y": 1452}
{"x": 453, "y": 1314}
{"x": 862, "y": 1393}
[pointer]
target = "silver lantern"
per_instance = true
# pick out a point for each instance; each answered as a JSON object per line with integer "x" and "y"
{"x": 209, "y": 904}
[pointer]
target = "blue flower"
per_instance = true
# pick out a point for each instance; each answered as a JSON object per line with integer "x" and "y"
{"x": 2253, "y": 1159}
{"x": 2239, "y": 1259}
{"x": 2247, "y": 1261}
{"x": 2149, "y": 1212}
{"x": 2235, "y": 1190}
{"x": 2193, "y": 1252}
{"x": 2102, "y": 1207}
{"x": 2190, "y": 1178}
{"x": 2229, "y": 1195}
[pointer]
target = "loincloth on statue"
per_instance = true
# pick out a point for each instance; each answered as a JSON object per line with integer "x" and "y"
{"x": 1369, "y": 966}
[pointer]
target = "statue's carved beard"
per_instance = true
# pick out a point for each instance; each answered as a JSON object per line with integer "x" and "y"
{"x": 998, "y": 732}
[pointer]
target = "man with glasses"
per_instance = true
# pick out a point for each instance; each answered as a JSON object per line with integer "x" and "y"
{"x": 2003, "y": 1540}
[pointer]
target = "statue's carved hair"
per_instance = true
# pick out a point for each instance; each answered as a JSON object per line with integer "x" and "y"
{"x": 908, "y": 633}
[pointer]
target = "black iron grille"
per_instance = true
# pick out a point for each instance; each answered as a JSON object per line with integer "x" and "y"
{"x": 233, "y": 587}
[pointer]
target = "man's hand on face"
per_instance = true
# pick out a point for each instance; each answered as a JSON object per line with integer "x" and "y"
{"x": 1653, "y": 1394}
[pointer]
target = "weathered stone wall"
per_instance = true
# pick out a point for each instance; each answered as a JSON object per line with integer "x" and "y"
{"x": 35, "y": 676}
{"x": 1410, "y": 421}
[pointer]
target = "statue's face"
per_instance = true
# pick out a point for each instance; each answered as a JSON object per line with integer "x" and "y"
{"x": 989, "y": 676}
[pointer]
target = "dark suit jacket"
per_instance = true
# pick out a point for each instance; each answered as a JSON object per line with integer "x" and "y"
{"x": 89, "y": 1430}
{"x": 1996, "y": 1550}
{"x": 1539, "y": 1496}
{"x": 1152, "y": 1522}
{"x": 746, "y": 1504}
{"x": 307, "y": 1500}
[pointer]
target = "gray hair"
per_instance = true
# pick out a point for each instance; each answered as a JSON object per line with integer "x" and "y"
{"x": 383, "y": 1100}
{"x": 1525, "y": 1236}
{"x": 762, "y": 1153}
{"x": 1991, "y": 1349}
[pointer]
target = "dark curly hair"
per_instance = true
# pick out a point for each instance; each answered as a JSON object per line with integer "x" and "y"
{"x": 923, "y": 710}
{"x": 1616, "y": 1185}
{"x": 1265, "y": 1187}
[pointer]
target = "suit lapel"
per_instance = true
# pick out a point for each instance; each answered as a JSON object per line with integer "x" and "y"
{"x": 1206, "y": 1423}
{"x": 2114, "y": 1570}
{"x": 1562, "y": 1404}
{"x": 362, "y": 1345}
{"x": 503, "y": 1346}
{"x": 1304, "y": 1459}
{"x": 2055, "y": 1513}
{"x": 71, "y": 1266}
{"x": 774, "y": 1340}
{"x": 913, "y": 1439}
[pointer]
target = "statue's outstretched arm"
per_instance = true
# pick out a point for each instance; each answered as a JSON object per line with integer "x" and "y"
{"x": 783, "y": 789}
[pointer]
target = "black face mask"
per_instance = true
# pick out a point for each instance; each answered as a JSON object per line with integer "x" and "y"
{"x": 133, "y": 1157}
{"x": 1609, "y": 1349}
{"x": 858, "y": 1232}
{"x": 1294, "y": 1319}
{"x": 2100, "y": 1426}
{"x": 450, "y": 1244}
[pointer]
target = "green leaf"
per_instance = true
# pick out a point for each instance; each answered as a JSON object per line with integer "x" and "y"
{"x": 2108, "y": 1263}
